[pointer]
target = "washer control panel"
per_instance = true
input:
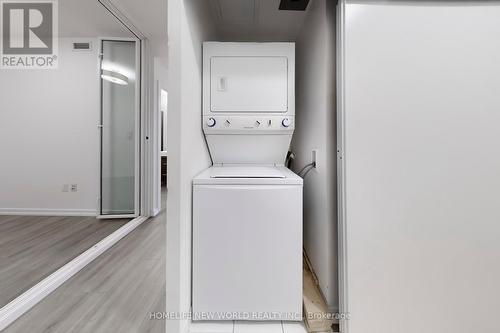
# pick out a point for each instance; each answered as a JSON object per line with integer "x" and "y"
{"x": 248, "y": 123}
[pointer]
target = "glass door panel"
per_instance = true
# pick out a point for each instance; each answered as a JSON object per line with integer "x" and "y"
{"x": 119, "y": 128}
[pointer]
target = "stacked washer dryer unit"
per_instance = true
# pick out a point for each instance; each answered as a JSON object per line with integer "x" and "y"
{"x": 247, "y": 208}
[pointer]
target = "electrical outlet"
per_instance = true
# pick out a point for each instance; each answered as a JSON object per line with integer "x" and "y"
{"x": 65, "y": 188}
{"x": 74, "y": 188}
{"x": 314, "y": 157}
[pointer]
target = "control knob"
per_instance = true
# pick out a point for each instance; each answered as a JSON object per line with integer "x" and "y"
{"x": 286, "y": 122}
{"x": 211, "y": 122}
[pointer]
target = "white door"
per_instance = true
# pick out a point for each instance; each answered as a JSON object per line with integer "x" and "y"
{"x": 247, "y": 250}
{"x": 420, "y": 127}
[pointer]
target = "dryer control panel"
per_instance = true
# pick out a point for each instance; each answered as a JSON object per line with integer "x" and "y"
{"x": 248, "y": 124}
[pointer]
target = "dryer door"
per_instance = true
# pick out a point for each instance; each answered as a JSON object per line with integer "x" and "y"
{"x": 249, "y": 84}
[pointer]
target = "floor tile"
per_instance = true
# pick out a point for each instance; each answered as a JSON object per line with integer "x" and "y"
{"x": 211, "y": 327}
{"x": 258, "y": 327}
{"x": 291, "y": 327}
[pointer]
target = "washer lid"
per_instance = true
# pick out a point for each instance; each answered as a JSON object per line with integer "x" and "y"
{"x": 253, "y": 175}
{"x": 246, "y": 172}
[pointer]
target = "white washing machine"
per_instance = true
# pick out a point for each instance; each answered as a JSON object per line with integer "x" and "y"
{"x": 247, "y": 208}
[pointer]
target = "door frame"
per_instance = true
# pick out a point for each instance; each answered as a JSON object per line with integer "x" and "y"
{"x": 146, "y": 106}
{"x": 341, "y": 183}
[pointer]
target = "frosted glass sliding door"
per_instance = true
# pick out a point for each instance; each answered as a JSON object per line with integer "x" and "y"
{"x": 420, "y": 166}
{"x": 119, "y": 128}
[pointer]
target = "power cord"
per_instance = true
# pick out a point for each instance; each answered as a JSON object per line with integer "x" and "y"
{"x": 306, "y": 168}
{"x": 290, "y": 156}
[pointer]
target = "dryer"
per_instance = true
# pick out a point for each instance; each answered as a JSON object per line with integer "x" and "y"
{"x": 247, "y": 208}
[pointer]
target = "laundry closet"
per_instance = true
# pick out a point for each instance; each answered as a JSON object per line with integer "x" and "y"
{"x": 395, "y": 137}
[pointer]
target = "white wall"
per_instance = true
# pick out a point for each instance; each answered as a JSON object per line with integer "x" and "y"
{"x": 315, "y": 129}
{"x": 189, "y": 23}
{"x": 48, "y": 135}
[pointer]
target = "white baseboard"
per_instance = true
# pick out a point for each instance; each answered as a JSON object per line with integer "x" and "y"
{"x": 23, "y": 303}
{"x": 117, "y": 212}
{"x": 47, "y": 212}
{"x": 156, "y": 211}
{"x": 332, "y": 309}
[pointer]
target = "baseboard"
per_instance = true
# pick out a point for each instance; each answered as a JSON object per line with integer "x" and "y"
{"x": 47, "y": 212}
{"x": 117, "y": 212}
{"x": 156, "y": 211}
{"x": 23, "y": 303}
{"x": 332, "y": 309}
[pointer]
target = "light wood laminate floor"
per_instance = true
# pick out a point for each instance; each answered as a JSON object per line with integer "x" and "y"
{"x": 115, "y": 293}
{"x": 33, "y": 247}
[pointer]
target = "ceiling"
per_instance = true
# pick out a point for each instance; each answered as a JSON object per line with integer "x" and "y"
{"x": 149, "y": 16}
{"x": 255, "y": 20}
{"x": 88, "y": 18}
{"x": 235, "y": 20}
